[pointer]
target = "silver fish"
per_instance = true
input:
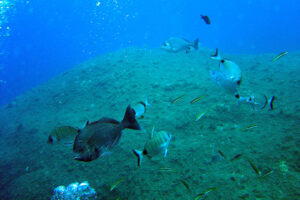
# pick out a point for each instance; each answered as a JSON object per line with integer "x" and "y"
{"x": 140, "y": 108}
{"x": 223, "y": 81}
{"x": 176, "y": 44}
{"x": 96, "y": 138}
{"x": 157, "y": 144}
{"x": 229, "y": 68}
{"x": 63, "y": 134}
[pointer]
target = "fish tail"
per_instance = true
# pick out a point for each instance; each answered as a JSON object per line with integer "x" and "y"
{"x": 271, "y": 102}
{"x": 196, "y": 43}
{"x": 139, "y": 155}
{"x": 147, "y": 102}
{"x": 129, "y": 120}
{"x": 217, "y": 55}
{"x": 268, "y": 101}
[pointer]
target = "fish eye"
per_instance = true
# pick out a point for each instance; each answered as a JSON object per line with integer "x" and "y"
{"x": 50, "y": 140}
{"x": 222, "y": 61}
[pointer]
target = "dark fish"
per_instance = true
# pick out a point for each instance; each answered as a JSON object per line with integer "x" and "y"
{"x": 236, "y": 157}
{"x": 205, "y": 18}
{"x": 98, "y": 137}
{"x": 222, "y": 154}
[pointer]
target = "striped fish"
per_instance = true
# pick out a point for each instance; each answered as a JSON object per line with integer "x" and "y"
{"x": 157, "y": 144}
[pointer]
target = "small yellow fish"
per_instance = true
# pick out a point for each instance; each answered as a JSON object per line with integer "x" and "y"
{"x": 167, "y": 169}
{"x": 249, "y": 127}
{"x": 236, "y": 157}
{"x": 205, "y": 193}
{"x": 257, "y": 171}
{"x": 197, "y": 99}
{"x": 280, "y": 55}
{"x": 115, "y": 184}
{"x": 177, "y": 99}
{"x": 201, "y": 115}
{"x": 267, "y": 173}
{"x": 222, "y": 154}
{"x": 185, "y": 184}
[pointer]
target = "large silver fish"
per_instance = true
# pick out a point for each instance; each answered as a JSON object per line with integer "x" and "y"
{"x": 229, "y": 68}
{"x": 157, "y": 144}
{"x": 223, "y": 81}
{"x": 176, "y": 44}
{"x": 98, "y": 137}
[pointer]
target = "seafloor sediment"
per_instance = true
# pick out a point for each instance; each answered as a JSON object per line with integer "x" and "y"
{"x": 30, "y": 168}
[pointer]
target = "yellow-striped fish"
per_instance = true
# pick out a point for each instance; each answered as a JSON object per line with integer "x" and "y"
{"x": 197, "y": 99}
{"x": 257, "y": 171}
{"x": 280, "y": 55}
{"x": 200, "y": 195}
{"x": 177, "y": 99}
{"x": 167, "y": 169}
{"x": 185, "y": 184}
{"x": 236, "y": 157}
{"x": 270, "y": 171}
{"x": 115, "y": 184}
{"x": 249, "y": 127}
{"x": 201, "y": 115}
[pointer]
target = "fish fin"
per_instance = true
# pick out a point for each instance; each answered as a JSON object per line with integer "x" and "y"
{"x": 129, "y": 120}
{"x": 266, "y": 102}
{"x": 166, "y": 152}
{"x": 147, "y": 102}
{"x": 139, "y": 155}
{"x": 105, "y": 154}
{"x": 216, "y": 56}
{"x": 196, "y": 43}
{"x": 107, "y": 120}
{"x": 85, "y": 124}
{"x": 271, "y": 102}
{"x": 152, "y": 132}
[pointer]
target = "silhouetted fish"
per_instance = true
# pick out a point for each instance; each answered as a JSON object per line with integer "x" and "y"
{"x": 206, "y": 19}
{"x": 98, "y": 137}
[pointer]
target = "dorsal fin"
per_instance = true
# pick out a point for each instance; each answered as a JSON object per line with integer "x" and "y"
{"x": 152, "y": 132}
{"x": 106, "y": 120}
{"x": 84, "y": 125}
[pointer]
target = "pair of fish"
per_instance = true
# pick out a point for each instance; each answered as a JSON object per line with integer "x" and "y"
{"x": 157, "y": 144}
{"x": 229, "y": 75}
{"x": 177, "y": 44}
{"x": 255, "y": 105}
{"x": 95, "y": 139}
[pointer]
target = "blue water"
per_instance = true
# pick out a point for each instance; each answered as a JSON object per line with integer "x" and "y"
{"x": 49, "y": 37}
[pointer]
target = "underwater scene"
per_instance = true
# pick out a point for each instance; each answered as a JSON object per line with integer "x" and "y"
{"x": 150, "y": 100}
